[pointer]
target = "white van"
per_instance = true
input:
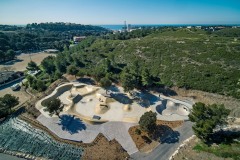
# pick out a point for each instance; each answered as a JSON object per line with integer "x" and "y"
{"x": 15, "y": 86}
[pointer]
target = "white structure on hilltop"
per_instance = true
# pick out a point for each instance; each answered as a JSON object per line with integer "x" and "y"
{"x": 127, "y": 27}
{"x": 78, "y": 38}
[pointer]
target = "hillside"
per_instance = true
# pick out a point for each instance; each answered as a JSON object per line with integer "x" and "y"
{"x": 191, "y": 59}
{"x": 43, "y": 36}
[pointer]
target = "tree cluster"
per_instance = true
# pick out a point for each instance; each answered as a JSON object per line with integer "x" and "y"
{"x": 36, "y": 84}
{"x": 42, "y": 36}
{"x": 169, "y": 56}
{"x": 7, "y": 56}
{"x": 32, "y": 66}
{"x": 207, "y": 118}
{"x": 135, "y": 76}
{"x": 7, "y": 102}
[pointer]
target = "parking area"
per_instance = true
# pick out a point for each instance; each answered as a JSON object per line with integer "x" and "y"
{"x": 23, "y": 96}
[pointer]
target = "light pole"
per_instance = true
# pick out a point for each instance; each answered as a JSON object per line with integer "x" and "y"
{"x": 30, "y": 56}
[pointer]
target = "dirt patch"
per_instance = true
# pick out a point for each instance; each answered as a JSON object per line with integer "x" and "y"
{"x": 209, "y": 98}
{"x": 171, "y": 124}
{"x": 144, "y": 142}
{"x": 138, "y": 139}
{"x": 69, "y": 77}
{"x": 21, "y": 94}
{"x": 187, "y": 152}
{"x": 105, "y": 150}
{"x": 20, "y": 63}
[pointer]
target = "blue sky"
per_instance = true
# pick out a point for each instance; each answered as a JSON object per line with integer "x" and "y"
{"x": 116, "y": 11}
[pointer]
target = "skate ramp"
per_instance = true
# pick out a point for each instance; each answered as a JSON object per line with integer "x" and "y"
{"x": 169, "y": 107}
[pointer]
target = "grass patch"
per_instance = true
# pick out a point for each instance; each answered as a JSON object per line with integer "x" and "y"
{"x": 223, "y": 150}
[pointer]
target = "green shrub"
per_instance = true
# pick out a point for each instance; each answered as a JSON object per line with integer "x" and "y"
{"x": 138, "y": 131}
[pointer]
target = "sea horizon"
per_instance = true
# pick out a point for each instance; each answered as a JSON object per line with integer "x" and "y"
{"x": 120, "y": 26}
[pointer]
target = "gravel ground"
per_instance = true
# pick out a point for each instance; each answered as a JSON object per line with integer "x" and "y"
{"x": 209, "y": 98}
{"x": 20, "y": 63}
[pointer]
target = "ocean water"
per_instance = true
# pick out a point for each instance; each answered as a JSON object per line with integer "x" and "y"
{"x": 120, "y": 26}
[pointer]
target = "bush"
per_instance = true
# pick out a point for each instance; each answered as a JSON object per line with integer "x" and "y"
{"x": 40, "y": 86}
{"x": 148, "y": 122}
{"x": 206, "y": 119}
{"x": 138, "y": 131}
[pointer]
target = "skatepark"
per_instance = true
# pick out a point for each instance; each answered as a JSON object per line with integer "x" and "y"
{"x": 90, "y": 110}
{"x": 95, "y": 104}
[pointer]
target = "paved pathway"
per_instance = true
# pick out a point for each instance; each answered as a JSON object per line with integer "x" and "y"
{"x": 72, "y": 128}
{"x": 165, "y": 150}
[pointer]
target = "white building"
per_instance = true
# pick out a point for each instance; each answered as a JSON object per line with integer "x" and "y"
{"x": 78, "y": 38}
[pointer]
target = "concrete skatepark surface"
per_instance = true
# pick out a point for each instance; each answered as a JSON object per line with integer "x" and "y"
{"x": 168, "y": 107}
{"x": 114, "y": 106}
{"x": 72, "y": 128}
{"x": 117, "y": 109}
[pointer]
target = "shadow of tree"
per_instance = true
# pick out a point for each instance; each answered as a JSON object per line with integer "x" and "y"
{"x": 172, "y": 138}
{"x": 113, "y": 89}
{"x": 165, "y": 91}
{"x": 122, "y": 98}
{"x": 225, "y": 136}
{"x": 145, "y": 98}
{"x": 165, "y": 134}
{"x": 160, "y": 108}
{"x": 71, "y": 124}
{"x": 144, "y": 103}
{"x": 12, "y": 62}
{"x": 150, "y": 97}
{"x": 86, "y": 81}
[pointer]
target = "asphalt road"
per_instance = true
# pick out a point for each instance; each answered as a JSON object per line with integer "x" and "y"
{"x": 165, "y": 150}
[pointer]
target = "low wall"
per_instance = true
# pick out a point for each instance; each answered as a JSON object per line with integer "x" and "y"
{"x": 56, "y": 93}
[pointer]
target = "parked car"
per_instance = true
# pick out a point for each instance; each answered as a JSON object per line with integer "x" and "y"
{"x": 15, "y": 87}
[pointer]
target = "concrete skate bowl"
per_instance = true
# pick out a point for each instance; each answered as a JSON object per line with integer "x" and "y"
{"x": 169, "y": 107}
{"x": 56, "y": 93}
{"x": 101, "y": 108}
